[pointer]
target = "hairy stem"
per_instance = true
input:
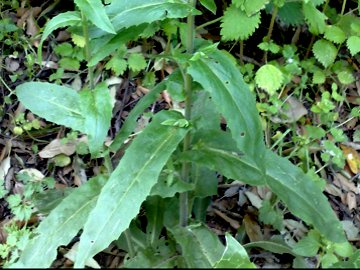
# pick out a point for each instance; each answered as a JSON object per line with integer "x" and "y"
{"x": 87, "y": 49}
{"x": 186, "y": 166}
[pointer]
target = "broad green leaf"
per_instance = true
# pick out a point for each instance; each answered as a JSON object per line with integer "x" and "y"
{"x": 352, "y": 262}
{"x": 230, "y": 164}
{"x": 291, "y": 14}
{"x": 57, "y": 104}
{"x": 308, "y": 245}
{"x": 97, "y": 109}
{"x": 129, "y": 185}
{"x": 210, "y": 5}
{"x": 61, "y": 226}
{"x": 234, "y": 256}
{"x": 69, "y": 18}
{"x": 136, "y": 62}
{"x": 315, "y": 18}
{"x": 269, "y": 78}
{"x": 346, "y": 77}
{"x": 325, "y": 52}
{"x": 95, "y": 12}
{"x": 218, "y": 74}
{"x": 200, "y": 247}
{"x": 334, "y": 34}
{"x": 319, "y": 77}
{"x": 124, "y": 14}
{"x": 302, "y": 196}
{"x": 130, "y": 123}
{"x": 252, "y": 6}
{"x": 353, "y": 44}
{"x": 205, "y": 181}
{"x": 237, "y": 25}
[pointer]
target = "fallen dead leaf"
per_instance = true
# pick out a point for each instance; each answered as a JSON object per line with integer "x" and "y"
{"x": 351, "y": 231}
{"x": 351, "y": 200}
{"x": 4, "y": 167}
{"x": 252, "y": 229}
{"x": 71, "y": 255}
{"x": 254, "y": 199}
{"x": 56, "y": 147}
{"x": 352, "y": 158}
{"x": 344, "y": 183}
{"x": 294, "y": 111}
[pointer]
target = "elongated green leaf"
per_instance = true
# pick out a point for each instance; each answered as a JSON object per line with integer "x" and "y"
{"x": 230, "y": 164}
{"x": 164, "y": 189}
{"x": 62, "y": 224}
{"x": 69, "y": 18}
{"x": 130, "y": 122}
{"x": 272, "y": 246}
{"x": 234, "y": 255}
{"x": 58, "y": 104}
{"x": 124, "y": 14}
{"x": 104, "y": 46}
{"x": 129, "y": 185}
{"x": 302, "y": 196}
{"x": 95, "y": 12}
{"x": 200, "y": 247}
{"x": 97, "y": 109}
{"x": 210, "y": 5}
{"x": 218, "y": 74}
{"x": 154, "y": 207}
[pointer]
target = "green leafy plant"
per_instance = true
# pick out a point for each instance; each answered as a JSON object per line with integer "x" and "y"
{"x": 172, "y": 159}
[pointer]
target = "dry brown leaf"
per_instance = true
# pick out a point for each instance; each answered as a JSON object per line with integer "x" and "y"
{"x": 333, "y": 190}
{"x": 351, "y": 231}
{"x": 56, "y": 147}
{"x": 252, "y": 229}
{"x": 254, "y": 199}
{"x": 351, "y": 200}
{"x": 233, "y": 223}
{"x": 342, "y": 182}
{"x": 4, "y": 167}
{"x": 294, "y": 111}
{"x": 71, "y": 254}
{"x": 352, "y": 158}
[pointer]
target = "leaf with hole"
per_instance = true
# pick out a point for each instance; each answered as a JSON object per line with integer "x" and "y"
{"x": 218, "y": 74}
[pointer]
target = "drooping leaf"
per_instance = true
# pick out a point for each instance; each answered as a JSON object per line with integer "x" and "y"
{"x": 302, "y": 196}
{"x": 210, "y": 5}
{"x": 95, "y": 12}
{"x": 97, "y": 109}
{"x": 269, "y": 78}
{"x": 218, "y": 74}
{"x": 237, "y": 25}
{"x": 57, "y": 104}
{"x": 68, "y": 18}
{"x": 234, "y": 256}
{"x": 130, "y": 122}
{"x": 325, "y": 52}
{"x": 62, "y": 224}
{"x": 129, "y": 185}
{"x": 308, "y": 245}
{"x": 315, "y": 18}
{"x": 230, "y": 164}
{"x": 200, "y": 247}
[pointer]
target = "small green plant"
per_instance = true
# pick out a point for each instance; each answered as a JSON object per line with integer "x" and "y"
{"x": 169, "y": 169}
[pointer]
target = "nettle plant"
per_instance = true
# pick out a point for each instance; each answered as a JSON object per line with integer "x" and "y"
{"x": 170, "y": 167}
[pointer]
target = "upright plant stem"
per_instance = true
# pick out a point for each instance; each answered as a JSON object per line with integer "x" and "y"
{"x": 87, "y": 49}
{"x": 186, "y": 166}
{"x": 271, "y": 27}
